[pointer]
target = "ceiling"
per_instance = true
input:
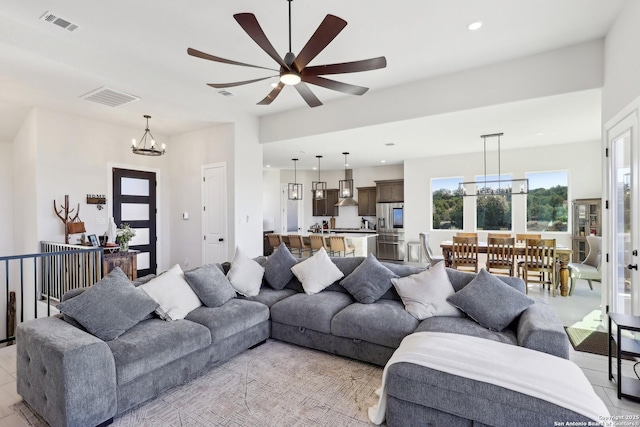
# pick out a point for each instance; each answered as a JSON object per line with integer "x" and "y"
{"x": 139, "y": 48}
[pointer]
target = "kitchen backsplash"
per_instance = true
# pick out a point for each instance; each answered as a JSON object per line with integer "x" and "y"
{"x": 348, "y": 218}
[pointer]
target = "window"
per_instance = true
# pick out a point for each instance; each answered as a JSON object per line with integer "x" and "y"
{"x": 547, "y": 204}
{"x": 447, "y": 203}
{"x": 493, "y": 204}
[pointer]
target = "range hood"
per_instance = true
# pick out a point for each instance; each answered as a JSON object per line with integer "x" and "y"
{"x": 347, "y": 201}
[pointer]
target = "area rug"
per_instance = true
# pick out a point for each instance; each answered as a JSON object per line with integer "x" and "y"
{"x": 275, "y": 384}
{"x": 589, "y": 341}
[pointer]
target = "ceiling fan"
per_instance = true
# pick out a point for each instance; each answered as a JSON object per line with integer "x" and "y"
{"x": 293, "y": 69}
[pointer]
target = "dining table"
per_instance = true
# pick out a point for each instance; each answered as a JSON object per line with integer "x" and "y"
{"x": 563, "y": 255}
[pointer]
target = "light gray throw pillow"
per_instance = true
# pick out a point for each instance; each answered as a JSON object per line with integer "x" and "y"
{"x": 369, "y": 281}
{"x": 211, "y": 285}
{"x": 425, "y": 294}
{"x": 277, "y": 268}
{"x": 110, "y": 307}
{"x": 490, "y": 302}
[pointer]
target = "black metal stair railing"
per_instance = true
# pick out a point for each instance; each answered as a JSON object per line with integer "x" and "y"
{"x": 33, "y": 282}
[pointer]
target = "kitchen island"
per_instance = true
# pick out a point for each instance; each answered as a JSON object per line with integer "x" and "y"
{"x": 364, "y": 243}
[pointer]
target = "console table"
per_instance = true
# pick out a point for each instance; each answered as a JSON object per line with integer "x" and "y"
{"x": 625, "y": 346}
{"x": 127, "y": 261}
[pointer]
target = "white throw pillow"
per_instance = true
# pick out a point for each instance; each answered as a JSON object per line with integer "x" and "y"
{"x": 173, "y": 294}
{"x": 317, "y": 272}
{"x": 245, "y": 275}
{"x": 425, "y": 294}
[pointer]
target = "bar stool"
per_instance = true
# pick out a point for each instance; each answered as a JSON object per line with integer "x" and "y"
{"x": 339, "y": 244}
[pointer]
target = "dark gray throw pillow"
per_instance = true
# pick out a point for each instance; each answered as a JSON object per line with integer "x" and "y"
{"x": 211, "y": 285}
{"x": 277, "y": 268}
{"x": 110, "y": 307}
{"x": 369, "y": 281}
{"x": 490, "y": 302}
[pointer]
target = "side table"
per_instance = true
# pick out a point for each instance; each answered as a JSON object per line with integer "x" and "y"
{"x": 630, "y": 388}
{"x": 127, "y": 261}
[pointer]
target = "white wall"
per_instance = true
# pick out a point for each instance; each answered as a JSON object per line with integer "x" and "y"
{"x": 622, "y": 62}
{"x": 6, "y": 199}
{"x": 190, "y": 152}
{"x": 564, "y": 70}
{"x": 582, "y": 160}
{"x": 271, "y": 198}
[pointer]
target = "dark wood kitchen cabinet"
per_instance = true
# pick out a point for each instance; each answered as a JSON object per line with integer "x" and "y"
{"x": 326, "y": 206}
{"x": 366, "y": 201}
{"x": 391, "y": 190}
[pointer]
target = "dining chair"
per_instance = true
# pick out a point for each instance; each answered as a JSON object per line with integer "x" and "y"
{"x": 275, "y": 240}
{"x": 501, "y": 255}
{"x": 540, "y": 259}
{"x": 426, "y": 250}
{"x": 464, "y": 253}
{"x": 521, "y": 238}
{"x": 465, "y": 234}
{"x": 298, "y": 245}
{"x": 589, "y": 269}
{"x": 499, "y": 235}
{"x": 317, "y": 242}
{"x": 339, "y": 245}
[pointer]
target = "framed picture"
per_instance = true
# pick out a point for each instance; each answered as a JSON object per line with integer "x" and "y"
{"x": 93, "y": 240}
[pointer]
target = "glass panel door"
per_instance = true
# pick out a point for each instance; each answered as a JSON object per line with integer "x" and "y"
{"x": 624, "y": 222}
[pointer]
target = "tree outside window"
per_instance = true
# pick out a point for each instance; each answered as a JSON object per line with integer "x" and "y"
{"x": 493, "y": 204}
{"x": 447, "y": 205}
{"x": 547, "y": 201}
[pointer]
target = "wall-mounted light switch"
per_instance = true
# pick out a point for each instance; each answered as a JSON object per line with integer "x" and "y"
{"x": 185, "y": 215}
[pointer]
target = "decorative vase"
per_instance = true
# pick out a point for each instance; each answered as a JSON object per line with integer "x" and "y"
{"x": 124, "y": 246}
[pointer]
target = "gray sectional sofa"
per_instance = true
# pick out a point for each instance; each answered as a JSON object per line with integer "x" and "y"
{"x": 72, "y": 378}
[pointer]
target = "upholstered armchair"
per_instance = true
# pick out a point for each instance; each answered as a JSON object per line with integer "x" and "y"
{"x": 589, "y": 269}
{"x": 426, "y": 250}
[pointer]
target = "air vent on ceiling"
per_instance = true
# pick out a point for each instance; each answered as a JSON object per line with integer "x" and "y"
{"x": 109, "y": 97}
{"x": 225, "y": 93}
{"x": 62, "y": 23}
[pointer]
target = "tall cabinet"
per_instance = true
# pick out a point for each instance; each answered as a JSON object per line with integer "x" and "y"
{"x": 587, "y": 219}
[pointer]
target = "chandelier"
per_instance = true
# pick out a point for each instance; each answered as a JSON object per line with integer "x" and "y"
{"x": 294, "y": 189}
{"x": 319, "y": 187}
{"x": 147, "y": 145}
{"x": 493, "y": 187}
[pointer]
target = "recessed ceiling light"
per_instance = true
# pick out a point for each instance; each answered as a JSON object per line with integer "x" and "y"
{"x": 268, "y": 166}
{"x": 383, "y": 161}
{"x": 474, "y": 26}
{"x": 274, "y": 84}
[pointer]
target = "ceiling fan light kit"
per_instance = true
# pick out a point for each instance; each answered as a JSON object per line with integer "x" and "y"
{"x": 294, "y": 70}
{"x": 147, "y": 145}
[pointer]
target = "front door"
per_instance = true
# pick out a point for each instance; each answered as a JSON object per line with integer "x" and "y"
{"x": 134, "y": 203}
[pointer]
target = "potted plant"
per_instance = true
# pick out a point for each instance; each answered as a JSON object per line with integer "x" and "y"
{"x": 123, "y": 235}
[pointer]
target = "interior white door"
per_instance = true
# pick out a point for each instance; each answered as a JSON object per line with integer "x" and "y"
{"x": 624, "y": 158}
{"x": 214, "y": 214}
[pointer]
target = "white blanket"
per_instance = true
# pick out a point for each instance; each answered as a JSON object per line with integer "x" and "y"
{"x": 530, "y": 372}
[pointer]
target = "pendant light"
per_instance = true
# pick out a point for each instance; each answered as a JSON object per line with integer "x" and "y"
{"x": 319, "y": 187}
{"x": 142, "y": 148}
{"x": 346, "y": 184}
{"x": 295, "y": 189}
{"x": 493, "y": 187}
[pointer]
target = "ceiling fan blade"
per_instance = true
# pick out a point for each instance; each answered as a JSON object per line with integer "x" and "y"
{"x": 329, "y": 28}
{"x": 347, "y": 67}
{"x": 250, "y": 25}
{"x": 272, "y": 95}
{"x": 307, "y": 95}
{"x": 246, "y": 82}
{"x": 198, "y": 54}
{"x": 334, "y": 85}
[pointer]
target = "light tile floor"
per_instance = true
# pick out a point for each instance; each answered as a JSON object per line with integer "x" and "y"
{"x": 582, "y": 307}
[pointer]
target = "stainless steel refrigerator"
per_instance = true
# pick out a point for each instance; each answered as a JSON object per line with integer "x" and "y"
{"x": 390, "y": 231}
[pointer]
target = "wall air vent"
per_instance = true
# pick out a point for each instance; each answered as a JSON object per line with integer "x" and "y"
{"x": 62, "y": 23}
{"x": 109, "y": 97}
{"x": 225, "y": 93}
